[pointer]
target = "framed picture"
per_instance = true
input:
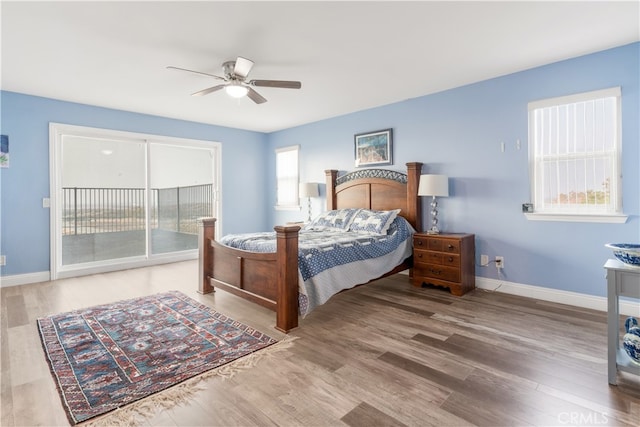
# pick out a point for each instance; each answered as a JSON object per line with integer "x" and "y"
{"x": 374, "y": 148}
{"x": 4, "y": 151}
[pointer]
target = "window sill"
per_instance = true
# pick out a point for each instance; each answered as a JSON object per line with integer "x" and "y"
{"x": 288, "y": 208}
{"x": 612, "y": 218}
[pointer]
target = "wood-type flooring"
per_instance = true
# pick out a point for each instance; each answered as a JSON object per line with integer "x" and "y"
{"x": 382, "y": 354}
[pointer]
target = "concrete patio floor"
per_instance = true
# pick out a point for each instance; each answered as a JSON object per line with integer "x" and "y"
{"x": 77, "y": 249}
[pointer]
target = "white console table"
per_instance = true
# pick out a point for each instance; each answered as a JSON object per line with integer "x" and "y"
{"x": 622, "y": 280}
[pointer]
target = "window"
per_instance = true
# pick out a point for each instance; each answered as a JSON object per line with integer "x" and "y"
{"x": 287, "y": 178}
{"x": 574, "y": 157}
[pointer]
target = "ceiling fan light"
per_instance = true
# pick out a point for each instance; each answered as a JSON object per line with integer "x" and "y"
{"x": 236, "y": 90}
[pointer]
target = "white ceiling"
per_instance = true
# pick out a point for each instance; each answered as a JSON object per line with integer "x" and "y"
{"x": 349, "y": 56}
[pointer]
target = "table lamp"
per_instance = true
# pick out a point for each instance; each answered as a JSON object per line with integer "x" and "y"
{"x": 435, "y": 186}
{"x": 308, "y": 190}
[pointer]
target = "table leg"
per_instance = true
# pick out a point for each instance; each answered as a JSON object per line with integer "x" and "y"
{"x": 613, "y": 327}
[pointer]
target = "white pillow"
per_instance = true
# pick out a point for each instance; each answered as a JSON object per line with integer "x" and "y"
{"x": 339, "y": 219}
{"x": 375, "y": 222}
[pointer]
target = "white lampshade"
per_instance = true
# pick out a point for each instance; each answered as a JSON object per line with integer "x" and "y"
{"x": 308, "y": 189}
{"x": 236, "y": 90}
{"x": 433, "y": 185}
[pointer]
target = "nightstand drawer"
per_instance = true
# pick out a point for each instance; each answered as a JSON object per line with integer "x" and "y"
{"x": 420, "y": 242}
{"x": 438, "y": 245}
{"x": 450, "y": 246}
{"x": 450, "y": 274}
{"x": 430, "y": 257}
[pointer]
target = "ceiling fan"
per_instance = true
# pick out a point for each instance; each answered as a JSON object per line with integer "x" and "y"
{"x": 236, "y": 83}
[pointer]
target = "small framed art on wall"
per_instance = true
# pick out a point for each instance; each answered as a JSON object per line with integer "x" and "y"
{"x": 374, "y": 148}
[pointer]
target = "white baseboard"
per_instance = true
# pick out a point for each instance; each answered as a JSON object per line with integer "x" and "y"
{"x": 24, "y": 279}
{"x": 627, "y": 307}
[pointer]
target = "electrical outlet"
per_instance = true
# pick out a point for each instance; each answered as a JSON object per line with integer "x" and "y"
{"x": 484, "y": 260}
{"x": 499, "y": 262}
{"x": 3, "y": 260}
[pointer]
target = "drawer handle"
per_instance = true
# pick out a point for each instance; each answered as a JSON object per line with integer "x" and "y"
{"x": 450, "y": 246}
{"x": 419, "y": 255}
{"x": 450, "y": 259}
{"x": 419, "y": 242}
{"x": 437, "y": 272}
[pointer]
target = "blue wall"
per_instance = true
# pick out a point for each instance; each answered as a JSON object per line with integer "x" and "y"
{"x": 458, "y": 133}
{"x": 24, "y": 237}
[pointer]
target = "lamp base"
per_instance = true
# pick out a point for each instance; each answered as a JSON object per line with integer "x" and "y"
{"x": 434, "y": 217}
{"x": 309, "y": 209}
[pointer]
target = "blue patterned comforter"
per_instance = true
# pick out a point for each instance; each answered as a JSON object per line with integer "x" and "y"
{"x": 332, "y": 260}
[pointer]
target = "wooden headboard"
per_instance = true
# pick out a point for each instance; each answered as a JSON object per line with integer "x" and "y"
{"x": 377, "y": 189}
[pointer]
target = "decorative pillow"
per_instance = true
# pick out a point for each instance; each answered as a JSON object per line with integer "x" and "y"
{"x": 375, "y": 222}
{"x": 336, "y": 219}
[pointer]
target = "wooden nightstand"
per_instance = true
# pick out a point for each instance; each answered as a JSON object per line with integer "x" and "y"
{"x": 446, "y": 260}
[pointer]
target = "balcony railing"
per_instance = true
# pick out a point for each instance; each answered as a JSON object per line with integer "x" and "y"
{"x": 108, "y": 210}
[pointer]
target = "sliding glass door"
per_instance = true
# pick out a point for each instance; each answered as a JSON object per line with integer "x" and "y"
{"x": 103, "y": 203}
{"x": 121, "y": 200}
{"x": 181, "y": 192}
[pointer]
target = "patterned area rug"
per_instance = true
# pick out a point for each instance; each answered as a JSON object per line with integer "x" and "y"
{"x": 108, "y": 356}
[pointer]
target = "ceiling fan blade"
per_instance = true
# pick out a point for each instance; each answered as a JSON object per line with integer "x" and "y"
{"x": 287, "y": 84}
{"x": 208, "y": 90}
{"x": 170, "y": 67}
{"x": 256, "y": 97}
{"x": 243, "y": 67}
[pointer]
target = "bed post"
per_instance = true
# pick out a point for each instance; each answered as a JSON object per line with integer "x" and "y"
{"x": 331, "y": 176}
{"x": 414, "y": 207}
{"x": 206, "y": 233}
{"x": 287, "y": 279}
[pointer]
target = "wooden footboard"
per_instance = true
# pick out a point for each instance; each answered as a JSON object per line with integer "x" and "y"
{"x": 268, "y": 279}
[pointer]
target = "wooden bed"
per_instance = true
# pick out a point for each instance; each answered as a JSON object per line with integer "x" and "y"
{"x": 271, "y": 279}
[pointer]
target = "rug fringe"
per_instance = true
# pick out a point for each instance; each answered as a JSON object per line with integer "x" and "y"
{"x": 136, "y": 413}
